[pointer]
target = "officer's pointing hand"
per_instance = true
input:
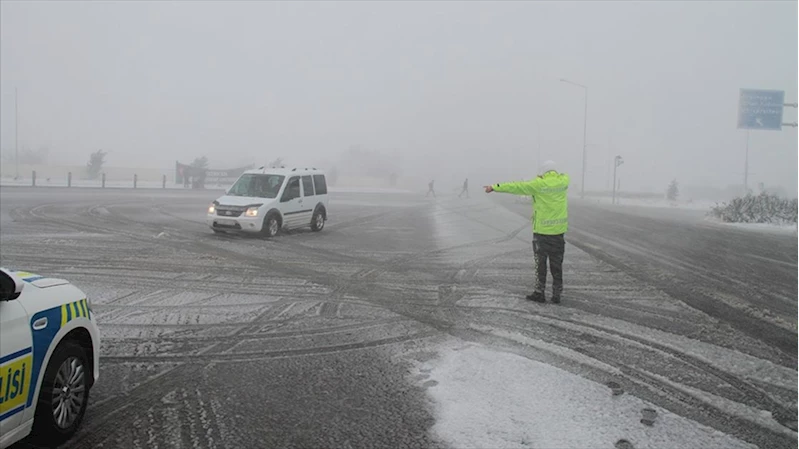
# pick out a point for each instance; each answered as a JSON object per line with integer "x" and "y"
{"x": 489, "y": 189}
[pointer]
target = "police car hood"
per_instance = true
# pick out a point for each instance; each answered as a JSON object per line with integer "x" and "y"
{"x": 229, "y": 200}
{"x": 39, "y": 281}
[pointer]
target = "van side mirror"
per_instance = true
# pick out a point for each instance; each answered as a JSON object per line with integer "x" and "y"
{"x": 10, "y": 286}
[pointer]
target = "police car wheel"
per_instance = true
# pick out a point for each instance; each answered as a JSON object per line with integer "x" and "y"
{"x": 64, "y": 395}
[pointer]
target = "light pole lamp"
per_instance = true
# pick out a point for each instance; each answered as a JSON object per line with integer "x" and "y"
{"x": 585, "y": 130}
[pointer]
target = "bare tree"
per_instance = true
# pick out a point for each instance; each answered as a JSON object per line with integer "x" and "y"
{"x": 95, "y": 165}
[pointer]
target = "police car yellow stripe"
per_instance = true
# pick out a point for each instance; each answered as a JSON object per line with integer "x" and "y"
{"x": 15, "y": 379}
{"x": 77, "y": 309}
{"x": 64, "y": 316}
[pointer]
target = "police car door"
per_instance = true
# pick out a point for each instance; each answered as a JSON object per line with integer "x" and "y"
{"x": 291, "y": 203}
{"x": 16, "y": 358}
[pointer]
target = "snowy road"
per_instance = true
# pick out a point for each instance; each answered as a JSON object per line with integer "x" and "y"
{"x": 354, "y": 337}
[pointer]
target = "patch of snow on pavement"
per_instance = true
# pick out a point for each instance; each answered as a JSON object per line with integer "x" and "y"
{"x": 484, "y": 398}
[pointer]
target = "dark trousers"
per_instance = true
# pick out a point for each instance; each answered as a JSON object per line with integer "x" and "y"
{"x": 549, "y": 248}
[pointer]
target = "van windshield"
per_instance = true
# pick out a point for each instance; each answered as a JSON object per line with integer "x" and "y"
{"x": 257, "y": 185}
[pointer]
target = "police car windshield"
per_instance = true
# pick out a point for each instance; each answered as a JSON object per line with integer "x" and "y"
{"x": 257, "y": 185}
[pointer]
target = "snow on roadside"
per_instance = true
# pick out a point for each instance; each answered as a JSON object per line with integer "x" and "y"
{"x": 485, "y": 398}
{"x": 763, "y": 227}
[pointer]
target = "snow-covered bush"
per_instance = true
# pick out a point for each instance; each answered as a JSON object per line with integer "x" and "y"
{"x": 763, "y": 208}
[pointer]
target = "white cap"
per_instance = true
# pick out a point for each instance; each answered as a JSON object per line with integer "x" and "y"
{"x": 547, "y": 166}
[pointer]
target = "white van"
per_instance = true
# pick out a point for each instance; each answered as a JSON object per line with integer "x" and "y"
{"x": 267, "y": 200}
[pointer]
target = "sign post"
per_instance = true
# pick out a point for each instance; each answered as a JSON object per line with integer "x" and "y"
{"x": 759, "y": 109}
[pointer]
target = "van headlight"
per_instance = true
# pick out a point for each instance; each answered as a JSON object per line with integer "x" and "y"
{"x": 212, "y": 208}
{"x": 251, "y": 212}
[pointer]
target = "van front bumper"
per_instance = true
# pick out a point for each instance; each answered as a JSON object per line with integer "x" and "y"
{"x": 235, "y": 224}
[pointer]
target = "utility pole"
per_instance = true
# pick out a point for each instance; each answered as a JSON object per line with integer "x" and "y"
{"x": 16, "y": 135}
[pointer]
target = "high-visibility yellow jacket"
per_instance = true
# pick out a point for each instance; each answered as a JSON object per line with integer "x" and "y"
{"x": 550, "y": 202}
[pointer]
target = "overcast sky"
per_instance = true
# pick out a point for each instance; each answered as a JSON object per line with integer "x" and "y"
{"x": 450, "y": 88}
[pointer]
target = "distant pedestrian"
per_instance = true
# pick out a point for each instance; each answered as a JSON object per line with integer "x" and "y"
{"x": 465, "y": 189}
{"x": 550, "y": 223}
{"x": 430, "y": 189}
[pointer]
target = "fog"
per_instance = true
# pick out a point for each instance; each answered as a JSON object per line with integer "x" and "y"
{"x": 444, "y": 90}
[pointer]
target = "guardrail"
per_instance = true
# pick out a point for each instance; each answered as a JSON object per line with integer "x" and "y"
{"x": 68, "y": 181}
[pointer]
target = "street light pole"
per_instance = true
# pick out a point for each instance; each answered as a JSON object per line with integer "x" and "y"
{"x": 585, "y": 132}
{"x": 538, "y": 153}
{"x": 616, "y": 162}
{"x": 16, "y": 136}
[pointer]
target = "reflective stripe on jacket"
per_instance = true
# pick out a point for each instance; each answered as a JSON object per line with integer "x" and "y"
{"x": 550, "y": 201}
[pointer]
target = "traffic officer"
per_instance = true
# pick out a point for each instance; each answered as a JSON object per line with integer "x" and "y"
{"x": 550, "y": 223}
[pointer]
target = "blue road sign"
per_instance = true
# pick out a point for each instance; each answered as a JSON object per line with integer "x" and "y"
{"x": 760, "y": 109}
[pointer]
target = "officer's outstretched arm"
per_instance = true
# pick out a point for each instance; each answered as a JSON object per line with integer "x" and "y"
{"x": 524, "y": 188}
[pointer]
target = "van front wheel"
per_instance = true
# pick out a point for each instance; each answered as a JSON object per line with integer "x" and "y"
{"x": 318, "y": 220}
{"x": 271, "y": 226}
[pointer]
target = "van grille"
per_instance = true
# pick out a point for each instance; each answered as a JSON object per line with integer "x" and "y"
{"x": 229, "y": 211}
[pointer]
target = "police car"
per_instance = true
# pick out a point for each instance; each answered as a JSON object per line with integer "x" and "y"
{"x": 49, "y": 358}
{"x": 267, "y": 200}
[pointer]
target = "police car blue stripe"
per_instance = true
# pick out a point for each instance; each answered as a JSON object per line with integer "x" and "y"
{"x": 42, "y": 340}
{"x": 33, "y": 279}
{"x": 15, "y": 355}
{"x": 11, "y": 413}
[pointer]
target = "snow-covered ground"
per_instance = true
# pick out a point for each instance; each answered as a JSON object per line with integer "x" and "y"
{"x": 484, "y": 398}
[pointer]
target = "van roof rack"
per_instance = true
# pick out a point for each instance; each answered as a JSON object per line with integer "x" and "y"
{"x": 306, "y": 168}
